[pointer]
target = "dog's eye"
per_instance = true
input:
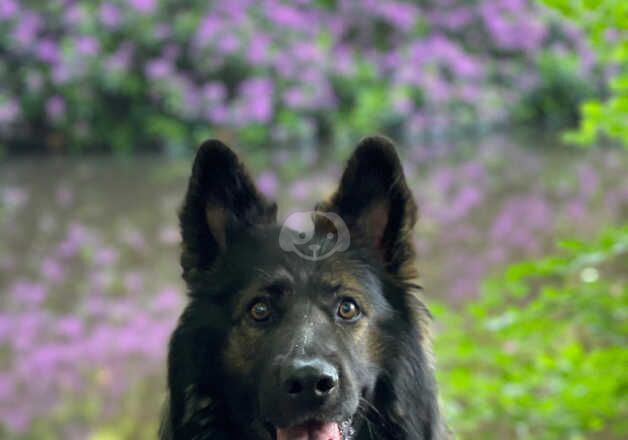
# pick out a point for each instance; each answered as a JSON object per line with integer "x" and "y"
{"x": 260, "y": 311}
{"x": 348, "y": 310}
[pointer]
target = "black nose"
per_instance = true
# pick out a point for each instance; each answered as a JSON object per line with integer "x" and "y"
{"x": 309, "y": 380}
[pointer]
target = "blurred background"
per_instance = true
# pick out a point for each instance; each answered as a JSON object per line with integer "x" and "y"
{"x": 512, "y": 120}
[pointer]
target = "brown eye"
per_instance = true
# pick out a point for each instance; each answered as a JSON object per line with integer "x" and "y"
{"x": 260, "y": 311}
{"x": 348, "y": 310}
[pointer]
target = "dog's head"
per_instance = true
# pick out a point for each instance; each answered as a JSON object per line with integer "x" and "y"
{"x": 296, "y": 328}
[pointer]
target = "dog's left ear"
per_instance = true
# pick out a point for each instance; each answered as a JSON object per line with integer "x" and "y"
{"x": 375, "y": 202}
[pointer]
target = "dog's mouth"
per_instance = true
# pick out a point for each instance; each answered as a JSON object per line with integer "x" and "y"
{"x": 315, "y": 430}
{"x": 311, "y": 431}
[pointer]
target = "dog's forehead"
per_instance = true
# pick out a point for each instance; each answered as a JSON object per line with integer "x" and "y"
{"x": 273, "y": 264}
{"x": 328, "y": 275}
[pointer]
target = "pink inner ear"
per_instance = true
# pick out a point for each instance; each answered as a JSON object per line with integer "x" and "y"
{"x": 217, "y": 222}
{"x": 376, "y": 217}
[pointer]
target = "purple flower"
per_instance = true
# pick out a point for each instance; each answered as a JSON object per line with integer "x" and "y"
{"x": 344, "y": 63}
{"x": 169, "y": 299}
{"x": 61, "y": 73}
{"x": 28, "y": 293}
{"x": 306, "y": 52}
{"x": 208, "y": 28}
{"x": 48, "y": 51}
{"x": 512, "y": 26}
{"x": 283, "y": 15}
{"x": 45, "y": 358}
{"x": 402, "y": 104}
{"x": 218, "y": 114}
{"x": 143, "y": 5}
{"x": 9, "y": 111}
{"x": 120, "y": 60}
{"x": 70, "y": 327}
{"x": 67, "y": 249}
{"x": 294, "y": 97}
{"x": 192, "y": 98}
{"x": 16, "y": 419}
{"x": 110, "y": 15}
{"x": 437, "y": 89}
{"x": 520, "y": 220}
{"x": 464, "y": 65}
{"x": 78, "y": 232}
{"x": 401, "y": 15}
{"x": 74, "y": 15}
{"x": 576, "y": 211}
{"x": 27, "y": 329}
{"x": 7, "y": 387}
{"x": 77, "y": 237}
{"x": 466, "y": 199}
{"x": 285, "y": 65}
{"x": 105, "y": 256}
{"x": 227, "y": 43}
{"x": 268, "y": 183}
{"x": 55, "y": 108}
{"x": 258, "y": 51}
{"x": 453, "y": 19}
{"x": 214, "y": 91}
{"x": 87, "y": 45}
{"x": 52, "y": 270}
{"x": 159, "y": 68}
{"x": 257, "y": 93}
{"x": 8, "y": 9}
{"x": 27, "y": 28}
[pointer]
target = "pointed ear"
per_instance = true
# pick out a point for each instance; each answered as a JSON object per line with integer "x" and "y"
{"x": 221, "y": 198}
{"x": 374, "y": 200}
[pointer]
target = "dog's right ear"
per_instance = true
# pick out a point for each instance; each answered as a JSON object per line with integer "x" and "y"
{"x": 374, "y": 200}
{"x": 221, "y": 199}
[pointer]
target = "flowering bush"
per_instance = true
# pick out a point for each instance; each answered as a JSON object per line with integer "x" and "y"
{"x": 126, "y": 74}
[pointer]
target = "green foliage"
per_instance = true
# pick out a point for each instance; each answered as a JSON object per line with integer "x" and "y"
{"x": 542, "y": 354}
{"x": 554, "y": 101}
{"x": 606, "y": 24}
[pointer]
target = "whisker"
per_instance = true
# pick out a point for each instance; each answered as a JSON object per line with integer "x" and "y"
{"x": 364, "y": 414}
{"x": 370, "y": 406}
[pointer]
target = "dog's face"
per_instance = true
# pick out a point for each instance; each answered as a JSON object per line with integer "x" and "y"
{"x": 303, "y": 343}
{"x": 290, "y": 327}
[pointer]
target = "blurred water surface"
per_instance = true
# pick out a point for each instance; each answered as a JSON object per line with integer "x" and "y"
{"x": 89, "y": 275}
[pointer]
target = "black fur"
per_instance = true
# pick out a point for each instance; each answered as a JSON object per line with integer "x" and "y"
{"x": 223, "y": 366}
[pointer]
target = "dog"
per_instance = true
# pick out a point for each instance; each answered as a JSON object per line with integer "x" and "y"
{"x": 301, "y": 335}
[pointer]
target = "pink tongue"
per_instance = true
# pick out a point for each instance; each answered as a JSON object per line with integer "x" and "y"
{"x": 311, "y": 431}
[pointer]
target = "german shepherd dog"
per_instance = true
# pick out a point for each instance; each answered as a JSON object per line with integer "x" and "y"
{"x": 287, "y": 340}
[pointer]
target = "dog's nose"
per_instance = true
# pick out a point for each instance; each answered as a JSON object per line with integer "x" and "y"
{"x": 309, "y": 381}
